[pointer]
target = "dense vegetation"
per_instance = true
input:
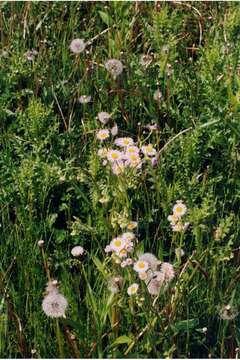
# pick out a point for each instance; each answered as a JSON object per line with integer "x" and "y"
{"x": 56, "y": 188}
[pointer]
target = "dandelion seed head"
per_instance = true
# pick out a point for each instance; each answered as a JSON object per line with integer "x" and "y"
{"x": 104, "y": 117}
{"x": 54, "y": 305}
{"x": 168, "y": 271}
{"x": 77, "y": 46}
{"x": 84, "y": 99}
{"x": 114, "y": 130}
{"x": 157, "y": 96}
{"x": 114, "y": 67}
{"x": 77, "y": 251}
{"x": 41, "y": 243}
{"x": 227, "y": 312}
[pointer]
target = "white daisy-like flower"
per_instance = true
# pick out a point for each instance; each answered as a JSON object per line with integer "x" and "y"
{"x": 117, "y": 244}
{"x": 104, "y": 117}
{"x": 133, "y": 160}
{"x": 132, "y": 289}
{"x": 54, "y": 305}
{"x": 157, "y": 96}
{"x": 179, "y": 209}
{"x": 141, "y": 266}
{"x": 84, "y": 99}
{"x": 102, "y": 134}
{"x": 132, "y": 150}
{"x": 168, "y": 271}
{"x": 118, "y": 167}
{"x": 149, "y": 150}
{"x": 151, "y": 259}
{"x": 124, "y": 141}
{"x": 114, "y": 67}
{"x": 114, "y": 155}
{"x": 77, "y": 251}
{"x": 77, "y": 46}
{"x": 132, "y": 225}
{"x": 114, "y": 130}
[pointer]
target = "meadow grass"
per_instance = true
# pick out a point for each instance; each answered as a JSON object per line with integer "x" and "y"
{"x": 55, "y": 187}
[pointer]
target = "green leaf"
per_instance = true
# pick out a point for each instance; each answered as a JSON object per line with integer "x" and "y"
{"x": 185, "y": 325}
{"x": 124, "y": 339}
{"x": 105, "y": 18}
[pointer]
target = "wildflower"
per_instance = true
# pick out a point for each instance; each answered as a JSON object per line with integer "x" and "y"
{"x": 133, "y": 160}
{"x": 54, "y": 305}
{"x": 84, "y": 99}
{"x": 114, "y": 155}
{"x": 102, "y": 153}
{"x": 154, "y": 161}
{"x": 108, "y": 249}
{"x": 30, "y": 55}
{"x": 228, "y": 313}
{"x": 173, "y": 219}
{"x": 179, "y": 252}
{"x": 77, "y": 251}
{"x": 104, "y": 117}
{"x": 145, "y": 60}
{"x": 132, "y": 289}
{"x": 148, "y": 150}
{"x": 151, "y": 260}
{"x": 179, "y": 209}
{"x": 178, "y": 227}
{"x": 157, "y": 96}
{"x": 123, "y": 264}
{"x": 143, "y": 275}
{"x": 118, "y": 167}
{"x": 168, "y": 271}
{"x": 132, "y": 150}
{"x": 117, "y": 244}
{"x": 152, "y": 127}
{"x": 114, "y": 284}
{"x": 122, "y": 253}
{"x": 124, "y": 141}
{"x": 52, "y": 286}
{"x": 128, "y": 236}
{"x": 114, "y": 130}
{"x": 41, "y": 243}
{"x": 102, "y": 134}
{"x": 154, "y": 287}
{"x": 114, "y": 67}
{"x": 77, "y": 46}
{"x": 141, "y": 266}
{"x": 129, "y": 261}
{"x": 132, "y": 225}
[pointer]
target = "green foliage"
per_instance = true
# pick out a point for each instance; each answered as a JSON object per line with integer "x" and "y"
{"x": 55, "y": 188}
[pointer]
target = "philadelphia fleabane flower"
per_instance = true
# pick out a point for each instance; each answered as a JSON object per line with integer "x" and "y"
{"x": 117, "y": 244}
{"x": 149, "y": 150}
{"x": 102, "y": 134}
{"x": 114, "y": 155}
{"x": 140, "y": 266}
{"x": 179, "y": 209}
{"x": 124, "y": 141}
{"x": 132, "y": 289}
{"x": 104, "y": 117}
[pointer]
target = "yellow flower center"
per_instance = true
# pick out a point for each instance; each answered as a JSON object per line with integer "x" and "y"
{"x": 117, "y": 243}
{"x": 141, "y": 265}
{"x": 179, "y": 209}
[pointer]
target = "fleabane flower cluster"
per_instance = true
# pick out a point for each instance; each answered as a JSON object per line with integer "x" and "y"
{"x": 176, "y": 218}
{"x": 120, "y": 247}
